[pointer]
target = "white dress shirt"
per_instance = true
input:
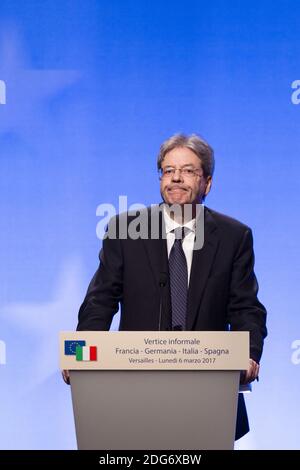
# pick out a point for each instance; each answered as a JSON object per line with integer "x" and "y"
{"x": 188, "y": 241}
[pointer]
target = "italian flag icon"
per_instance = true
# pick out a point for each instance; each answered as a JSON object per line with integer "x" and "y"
{"x": 86, "y": 353}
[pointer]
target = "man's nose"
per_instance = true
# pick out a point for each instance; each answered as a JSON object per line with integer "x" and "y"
{"x": 177, "y": 176}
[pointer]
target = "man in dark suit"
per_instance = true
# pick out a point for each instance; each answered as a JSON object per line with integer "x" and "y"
{"x": 201, "y": 280}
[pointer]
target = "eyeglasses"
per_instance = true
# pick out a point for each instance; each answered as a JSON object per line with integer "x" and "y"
{"x": 186, "y": 172}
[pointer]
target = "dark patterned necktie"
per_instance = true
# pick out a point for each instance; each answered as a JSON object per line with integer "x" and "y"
{"x": 178, "y": 282}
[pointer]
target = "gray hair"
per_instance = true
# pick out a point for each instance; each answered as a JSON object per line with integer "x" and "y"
{"x": 193, "y": 142}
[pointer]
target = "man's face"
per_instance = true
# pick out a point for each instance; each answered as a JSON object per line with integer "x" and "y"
{"x": 185, "y": 187}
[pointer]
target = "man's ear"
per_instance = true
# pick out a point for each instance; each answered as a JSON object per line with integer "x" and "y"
{"x": 208, "y": 185}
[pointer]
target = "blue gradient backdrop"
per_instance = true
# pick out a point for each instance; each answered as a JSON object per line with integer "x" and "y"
{"x": 92, "y": 88}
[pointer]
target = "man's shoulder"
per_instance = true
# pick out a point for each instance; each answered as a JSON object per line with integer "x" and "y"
{"x": 139, "y": 212}
{"x": 137, "y": 219}
{"x": 225, "y": 222}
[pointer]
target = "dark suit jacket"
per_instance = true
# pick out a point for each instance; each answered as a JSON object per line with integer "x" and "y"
{"x": 222, "y": 289}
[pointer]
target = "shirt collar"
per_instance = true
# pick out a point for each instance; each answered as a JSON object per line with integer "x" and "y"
{"x": 170, "y": 224}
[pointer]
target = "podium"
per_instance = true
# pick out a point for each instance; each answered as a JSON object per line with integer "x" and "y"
{"x": 185, "y": 398}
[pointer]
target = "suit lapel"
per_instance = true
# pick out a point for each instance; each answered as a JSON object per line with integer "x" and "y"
{"x": 201, "y": 266}
{"x": 156, "y": 244}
